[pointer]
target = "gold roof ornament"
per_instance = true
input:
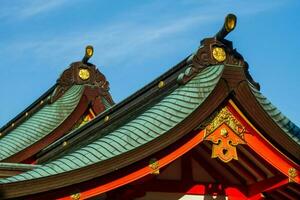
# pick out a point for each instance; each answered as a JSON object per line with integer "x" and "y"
{"x": 75, "y": 196}
{"x": 230, "y": 22}
{"x": 292, "y": 174}
{"x": 219, "y": 54}
{"x": 228, "y": 26}
{"x": 89, "y": 51}
{"x": 84, "y": 74}
{"x": 154, "y": 166}
{"x": 225, "y": 132}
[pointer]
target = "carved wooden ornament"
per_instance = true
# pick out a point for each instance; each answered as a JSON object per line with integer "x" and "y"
{"x": 225, "y": 132}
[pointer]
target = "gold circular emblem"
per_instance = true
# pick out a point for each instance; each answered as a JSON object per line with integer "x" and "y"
{"x": 219, "y": 54}
{"x": 84, "y": 74}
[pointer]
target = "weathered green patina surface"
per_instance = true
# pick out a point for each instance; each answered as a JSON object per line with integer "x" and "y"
{"x": 148, "y": 125}
{"x": 40, "y": 123}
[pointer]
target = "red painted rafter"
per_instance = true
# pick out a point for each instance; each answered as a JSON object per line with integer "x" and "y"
{"x": 294, "y": 189}
{"x": 186, "y": 168}
{"x": 256, "y": 171}
{"x": 271, "y": 169}
{"x": 210, "y": 168}
{"x": 288, "y": 195}
{"x": 242, "y": 171}
{"x": 267, "y": 184}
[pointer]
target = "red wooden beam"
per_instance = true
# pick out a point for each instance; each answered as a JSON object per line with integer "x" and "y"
{"x": 287, "y": 195}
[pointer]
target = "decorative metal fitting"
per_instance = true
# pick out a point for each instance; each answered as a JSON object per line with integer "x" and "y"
{"x": 84, "y": 74}
{"x": 154, "y": 165}
{"x": 65, "y": 143}
{"x": 219, "y": 54}
{"x": 292, "y": 174}
{"x": 106, "y": 118}
{"x": 225, "y": 132}
{"x": 75, "y": 196}
{"x": 161, "y": 84}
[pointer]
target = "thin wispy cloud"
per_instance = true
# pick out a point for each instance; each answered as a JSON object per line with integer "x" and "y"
{"x": 119, "y": 38}
{"x": 24, "y": 9}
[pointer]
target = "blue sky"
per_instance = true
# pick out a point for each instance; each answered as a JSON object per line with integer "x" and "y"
{"x": 136, "y": 41}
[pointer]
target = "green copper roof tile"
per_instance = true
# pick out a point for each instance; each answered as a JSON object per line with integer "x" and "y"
{"x": 40, "y": 123}
{"x": 281, "y": 120}
{"x": 152, "y": 123}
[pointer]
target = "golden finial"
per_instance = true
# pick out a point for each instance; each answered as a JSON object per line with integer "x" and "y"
{"x": 228, "y": 26}
{"x": 89, "y": 51}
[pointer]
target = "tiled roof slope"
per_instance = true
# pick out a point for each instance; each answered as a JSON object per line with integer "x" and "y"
{"x": 40, "y": 123}
{"x": 291, "y": 129}
{"x": 156, "y": 120}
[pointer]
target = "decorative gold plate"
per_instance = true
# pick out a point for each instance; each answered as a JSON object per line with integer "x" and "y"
{"x": 219, "y": 54}
{"x": 84, "y": 74}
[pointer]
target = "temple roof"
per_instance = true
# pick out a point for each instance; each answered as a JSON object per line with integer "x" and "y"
{"x": 80, "y": 86}
{"x": 40, "y": 123}
{"x": 156, "y": 116}
{"x": 159, "y": 118}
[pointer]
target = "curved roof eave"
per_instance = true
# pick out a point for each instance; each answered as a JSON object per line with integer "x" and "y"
{"x": 149, "y": 125}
